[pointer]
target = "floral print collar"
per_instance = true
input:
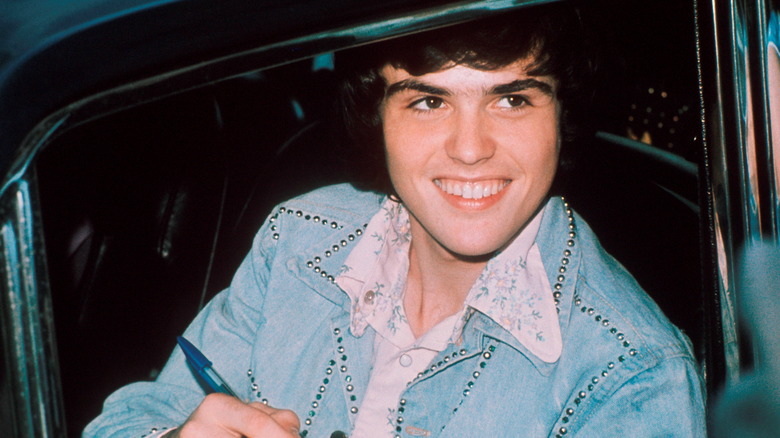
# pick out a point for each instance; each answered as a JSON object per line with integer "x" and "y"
{"x": 513, "y": 289}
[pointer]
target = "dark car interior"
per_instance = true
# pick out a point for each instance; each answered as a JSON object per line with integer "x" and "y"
{"x": 148, "y": 211}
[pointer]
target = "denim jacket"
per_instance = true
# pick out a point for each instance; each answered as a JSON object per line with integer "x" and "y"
{"x": 280, "y": 334}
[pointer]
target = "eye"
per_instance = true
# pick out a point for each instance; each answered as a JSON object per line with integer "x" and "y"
{"x": 428, "y": 103}
{"x": 512, "y": 101}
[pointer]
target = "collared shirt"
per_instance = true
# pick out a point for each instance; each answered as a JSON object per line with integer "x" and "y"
{"x": 512, "y": 290}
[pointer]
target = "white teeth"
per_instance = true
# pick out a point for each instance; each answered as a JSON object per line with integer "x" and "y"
{"x": 469, "y": 190}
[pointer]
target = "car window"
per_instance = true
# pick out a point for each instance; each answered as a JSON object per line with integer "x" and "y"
{"x": 149, "y": 210}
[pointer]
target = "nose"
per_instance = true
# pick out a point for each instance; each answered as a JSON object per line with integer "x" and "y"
{"x": 470, "y": 141}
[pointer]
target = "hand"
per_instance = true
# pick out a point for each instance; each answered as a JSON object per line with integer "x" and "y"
{"x": 221, "y": 415}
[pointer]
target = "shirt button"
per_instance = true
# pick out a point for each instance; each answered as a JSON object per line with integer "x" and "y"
{"x": 368, "y": 298}
{"x": 405, "y": 360}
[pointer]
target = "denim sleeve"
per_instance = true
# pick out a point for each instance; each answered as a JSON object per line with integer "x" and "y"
{"x": 224, "y": 330}
{"x": 666, "y": 400}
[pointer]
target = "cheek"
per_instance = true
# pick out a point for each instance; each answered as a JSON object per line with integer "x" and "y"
{"x": 398, "y": 153}
{"x": 534, "y": 146}
{"x": 406, "y": 144}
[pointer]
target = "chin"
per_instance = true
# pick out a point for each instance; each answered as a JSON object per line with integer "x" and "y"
{"x": 477, "y": 251}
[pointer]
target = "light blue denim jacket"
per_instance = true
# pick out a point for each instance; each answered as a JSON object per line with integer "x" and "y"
{"x": 280, "y": 334}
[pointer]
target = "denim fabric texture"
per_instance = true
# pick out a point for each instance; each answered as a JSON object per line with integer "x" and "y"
{"x": 280, "y": 334}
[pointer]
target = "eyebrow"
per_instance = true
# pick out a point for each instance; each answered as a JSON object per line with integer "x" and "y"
{"x": 508, "y": 88}
{"x": 522, "y": 85}
{"x": 415, "y": 85}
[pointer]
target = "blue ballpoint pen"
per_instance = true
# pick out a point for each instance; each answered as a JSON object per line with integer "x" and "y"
{"x": 202, "y": 366}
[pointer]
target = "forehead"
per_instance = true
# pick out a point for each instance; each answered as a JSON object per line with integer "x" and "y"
{"x": 463, "y": 77}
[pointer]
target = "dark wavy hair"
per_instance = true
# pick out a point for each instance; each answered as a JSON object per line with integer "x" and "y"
{"x": 553, "y": 36}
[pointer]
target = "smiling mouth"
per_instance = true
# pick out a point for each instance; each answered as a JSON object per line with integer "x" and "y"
{"x": 471, "y": 190}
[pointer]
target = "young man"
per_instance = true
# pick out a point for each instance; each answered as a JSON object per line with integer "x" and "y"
{"x": 463, "y": 302}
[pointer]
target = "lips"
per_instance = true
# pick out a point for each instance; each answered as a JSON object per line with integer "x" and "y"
{"x": 471, "y": 189}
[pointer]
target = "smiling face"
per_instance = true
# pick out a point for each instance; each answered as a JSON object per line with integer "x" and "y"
{"x": 471, "y": 153}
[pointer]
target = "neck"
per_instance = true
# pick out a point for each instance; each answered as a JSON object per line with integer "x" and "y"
{"x": 437, "y": 283}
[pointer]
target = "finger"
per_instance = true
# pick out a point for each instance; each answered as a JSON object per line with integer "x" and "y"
{"x": 286, "y": 419}
{"x": 220, "y": 415}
